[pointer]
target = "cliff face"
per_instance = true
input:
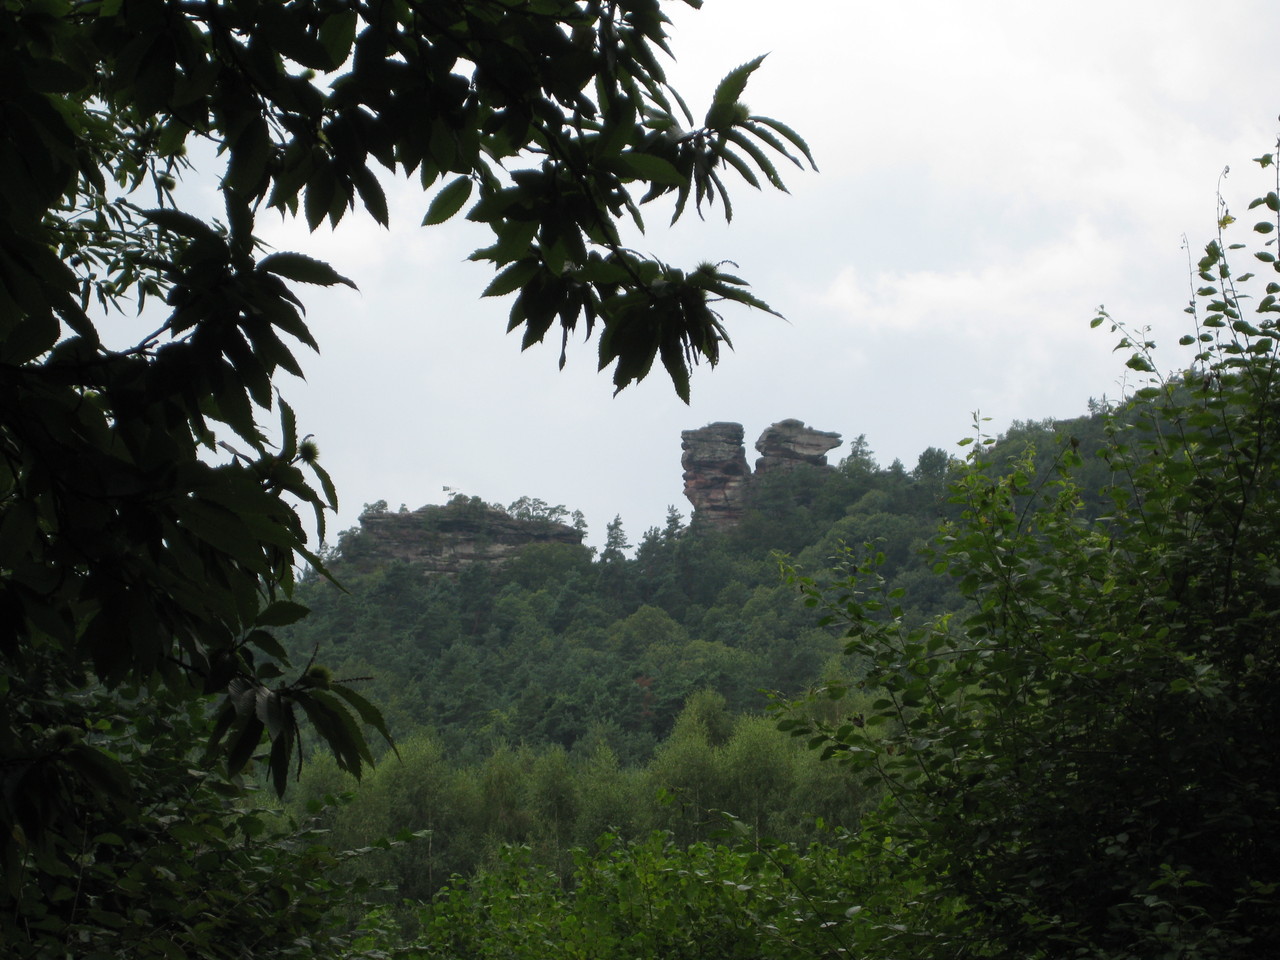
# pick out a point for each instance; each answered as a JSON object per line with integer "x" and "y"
{"x": 444, "y": 539}
{"x": 715, "y": 472}
{"x": 716, "y": 475}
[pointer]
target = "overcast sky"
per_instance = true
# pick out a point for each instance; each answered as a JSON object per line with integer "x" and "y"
{"x": 991, "y": 172}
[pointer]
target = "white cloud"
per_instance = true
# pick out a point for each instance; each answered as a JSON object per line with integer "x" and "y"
{"x": 1044, "y": 285}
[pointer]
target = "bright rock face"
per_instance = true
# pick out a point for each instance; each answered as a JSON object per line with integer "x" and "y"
{"x": 716, "y": 474}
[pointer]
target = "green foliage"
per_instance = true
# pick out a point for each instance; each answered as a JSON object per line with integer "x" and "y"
{"x": 738, "y": 897}
{"x": 554, "y": 800}
{"x": 531, "y": 508}
{"x": 144, "y": 556}
{"x": 167, "y": 859}
{"x": 1083, "y": 763}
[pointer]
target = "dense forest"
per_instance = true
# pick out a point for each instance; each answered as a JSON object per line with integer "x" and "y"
{"x": 562, "y": 642}
{"x": 567, "y": 694}
{"x": 1014, "y": 703}
{"x": 1011, "y": 704}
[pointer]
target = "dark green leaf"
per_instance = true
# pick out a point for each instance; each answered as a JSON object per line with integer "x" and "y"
{"x": 303, "y": 269}
{"x": 279, "y": 613}
{"x": 645, "y": 166}
{"x": 451, "y": 198}
{"x": 730, "y": 89}
{"x": 790, "y": 134}
{"x": 512, "y": 278}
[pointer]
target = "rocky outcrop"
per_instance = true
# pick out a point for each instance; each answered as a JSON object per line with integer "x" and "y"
{"x": 789, "y": 443}
{"x": 717, "y": 481}
{"x": 715, "y": 472}
{"x": 444, "y": 539}
{"x": 716, "y": 475}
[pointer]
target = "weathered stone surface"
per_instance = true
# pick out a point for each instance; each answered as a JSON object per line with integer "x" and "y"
{"x": 444, "y": 539}
{"x": 717, "y": 477}
{"x": 715, "y": 472}
{"x": 789, "y": 443}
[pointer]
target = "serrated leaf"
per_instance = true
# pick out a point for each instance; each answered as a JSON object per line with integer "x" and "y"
{"x": 649, "y": 167}
{"x": 281, "y": 613}
{"x": 268, "y": 644}
{"x": 738, "y": 295}
{"x": 336, "y": 725}
{"x": 791, "y": 135}
{"x": 318, "y": 197}
{"x": 729, "y": 90}
{"x": 371, "y": 193}
{"x": 303, "y": 269}
{"x": 367, "y": 711}
{"x": 245, "y": 743}
{"x": 674, "y": 362}
{"x": 327, "y": 485}
{"x": 250, "y": 155}
{"x": 281, "y": 754}
{"x": 448, "y": 201}
{"x": 724, "y": 196}
{"x": 271, "y": 710}
{"x": 225, "y": 716}
{"x": 288, "y": 430}
{"x": 512, "y": 278}
{"x": 337, "y": 34}
{"x": 740, "y": 165}
{"x": 181, "y": 223}
{"x": 101, "y": 770}
{"x": 759, "y": 156}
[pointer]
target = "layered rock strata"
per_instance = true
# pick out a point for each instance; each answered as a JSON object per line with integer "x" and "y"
{"x": 716, "y": 475}
{"x": 789, "y": 443}
{"x": 715, "y": 472}
{"x": 444, "y": 539}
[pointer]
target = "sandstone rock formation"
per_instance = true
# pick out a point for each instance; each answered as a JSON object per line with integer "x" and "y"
{"x": 716, "y": 475}
{"x": 444, "y": 539}
{"x": 717, "y": 479}
{"x": 789, "y": 443}
{"x": 715, "y": 472}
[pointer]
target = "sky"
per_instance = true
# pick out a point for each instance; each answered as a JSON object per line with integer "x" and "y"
{"x": 990, "y": 174}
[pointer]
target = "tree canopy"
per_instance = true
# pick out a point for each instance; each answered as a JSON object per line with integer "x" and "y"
{"x": 146, "y": 554}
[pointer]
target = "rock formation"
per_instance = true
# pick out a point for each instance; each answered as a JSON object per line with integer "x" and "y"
{"x": 444, "y": 539}
{"x": 717, "y": 477}
{"x": 715, "y": 472}
{"x": 789, "y": 443}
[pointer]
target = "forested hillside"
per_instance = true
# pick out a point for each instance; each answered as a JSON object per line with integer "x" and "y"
{"x": 1023, "y": 703}
{"x": 560, "y": 642}
{"x": 1049, "y": 728}
{"x": 564, "y": 693}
